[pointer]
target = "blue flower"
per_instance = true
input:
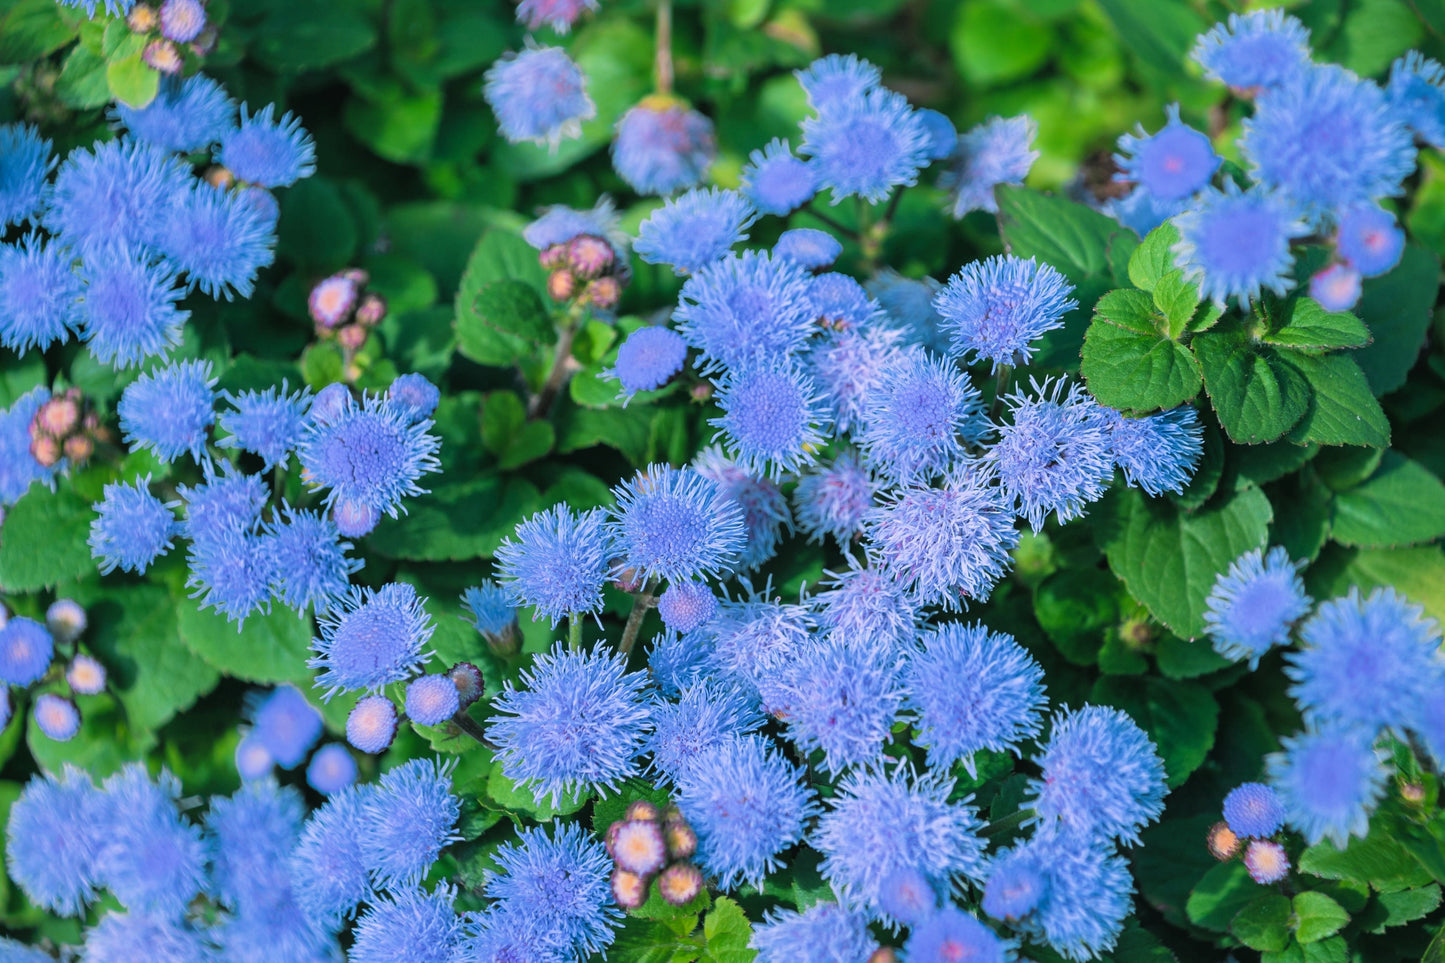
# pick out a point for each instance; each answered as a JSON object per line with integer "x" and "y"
{"x": 371, "y": 724}
{"x": 914, "y": 417}
{"x": 232, "y": 572}
{"x": 906, "y": 895}
{"x": 218, "y": 239}
{"x": 1171, "y": 164}
{"x": 1101, "y": 776}
{"x": 128, "y": 310}
{"x": 753, "y": 639}
{"x": 674, "y": 524}
{"x": 836, "y": 696}
{"x": 285, "y": 723}
{"x": 1255, "y": 52}
{"x": 151, "y": 860}
{"x": 866, "y": 146}
{"x": 945, "y": 543}
{"x": 538, "y": 95}
{"x": 229, "y": 502}
{"x": 1416, "y": 92}
{"x": 1369, "y": 240}
{"x": 327, "y": 871}
{"x": 839, "y": 301}
{"x": 747, "y": 804}
{"x": 884, "y": 820}
{"x": 182, "y": 20}
{"x": 744, "y": 308}
{"x": 677, "y": 660}
{"x": 511, "y": 935}
{"x": 369, "y": 454}
{"x": 557, "y": 563}
{"x": 1157, "y": 452}
{"x": 1252, "y": 606}
{"x": 837, "y": 80}
{"x": 662, "y": 146}
{"x": 52, "y": 840}
{"x": 648, "y": 359}
{"x": 557, "y": 882}
{"x": 772, "y": 418}
{"x": 997, "y": 151}
{"x": 22, "y": 180}
{"x": 267, "y": 151}
{"x": 834, "y": 500}
{"x": 186, "y": 116}
{"x": 407, "y": 821}
{"x": 1364, "y": 663}
{"x": 408, "y": 926}
{"x": 374, "y": 638}
{"x": 331, "y": 769}
{"x": 695, "y": 229}
{"x": 775, "y": 181}
{"x": 952, "y": 934}
{"x": 311, "y": 567}
{"x": 118, "y": 192}
{"x": 1266, "y": 861}
{"x": 431, "y": 700}
{"x": 133, "y": 527}
{"x": 1253, "y": 809}
{"x": 764, "y": 509}
{"x": 686, "y": 605}
{"x": 972, "y": 689}
{"x": 866, "y": 606}
{"x": 559, "y": 224}
{"x": 39, "y": 294}
{"x": 490, "y": 607}
{"x": 997, "y": 308}
{"x": 704, "y": 716}
{"x": 1087, "y": 895}
{"x": 1054, "y": 456}
{"x": 250, "y": 837}
{"x": 1326, "y": 141}
{"x": 942, "y": 135}
{"x": 1234, "y": 244}
{"x": 823, "y": 933}
{"x": 811, "y": 248}
{"x": 115, "y": 938}
{"x": 1017, "y": 882}
{"x": 169, "y": 409}
{"x": 56, "y": 717}
{"x": 1329, "y": 782}
{"x": 1141, "y": 211}
{"x": 415, "y": 395}
{"x": 578, "y": 723}
{"x": 559, "y": 15}
{"x": 909, "y": 303}
{"x": 1336, "y": 288}
{"x": 268, "y": 423}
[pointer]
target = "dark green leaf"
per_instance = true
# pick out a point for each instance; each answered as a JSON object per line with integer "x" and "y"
{"x": 509, "y": 435}
{"x": 649, "y": 941}
{"x": 308, "y": 34}
{"x": 1304, "y": 324}
{"x": 1260, "y": 464}
{"x": 505, "y": 324}
{"x": 1376, "y": 860}
{"x": 1071, "y": 237}
{"x": 1075, "y": 607}
{"x": 458, "y": 522}
{"x": 1397, "y": 309}
{"x": 1342, "y": 411}
{"x": 317, "y": 231}
{"x": 1317, "y": 916}
{"x": 397, "y": 124}
{"x": 83, "y": 83}
{"x": 1137, "y": 372}
{"x": 1263, "y": 924}
{"x": 268, "y": 648}
{"x": 1220, "y": 895}
{"x": 1408, "y": 905}
{"x": 43, "y": 540}
{"x": 30, "y": 29}
{"x": 1179, "y": 659}
{"x": 1341, "y": 469}
{"x": 1302, "y": 515}
{"x": 1179, "y": 716}
{"x": 1401, "y": 504}
{"x": 626, "y": 429}
{"x": 1257, "y": 396}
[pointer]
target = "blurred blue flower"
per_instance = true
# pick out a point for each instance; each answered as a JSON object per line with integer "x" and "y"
{"x": 1416, "y": 92}
{"x": 128, "y": 309}
{"x": 866, "y": 145}
{"x": 285, "y": 723}
{"x": 53, "y": 838}
{"x": 373, "y": 638}
{"x": 408, "y": 925}
{"x": 1017, "y": 882}
{"x": 328, "y": 874}
{"x": 839, "y": 301}
{"x": 906, "y": 895}
{"x": 557, "y": 563}
{"x": 559, "y": 224}
{"x": 266, "y": 150}
{"x": 1336, "y": 288}
{"x": 1172, "y": 163}
{"x": 695, "y": 229}
{"x": 117, "y": 192}
{"x": 823, "y": 933}
{"x": 834, "y": 499}
{"x": 407, "y": 821}
{"x": 775, "y": 181}
{"x": 331, "y": 769}
{"x": 662, "y": 146}
{"x": 1252, "y": 606}
{"x": 26, "y": 648}
{"x": 218, "y": 239}
{"x": 674, "y": 524}
{"x": 511, "y": 935}
{"x": 1157, "y": 452}
{"x": 250, "y": 835}
{"x": 133, "y": 527}
{"x": 811, "y": 248}
{"x": 648, "y": 359}
{"x": 557, "y": 882}
{"x": 186, "y": 115}
{"x": 1141, "y": 211}
{"x": 744, "y": 308}
{"x": 370, "y": 454}
{"x": 752, "y": 639}
{"x": 559, "y": 15}
{"x": 676, "y": 660}
{"x": 837, "y": 80}
{"x": 151, "y": 860}
{"x": 909, "y": 303}
{"x": 56, "y": 716}
{"x": 166, "y": 939}
{"x": 371, "y": 725}
{"x": 1255, "y": 51}
{"x": 28, "y": 161}
{"x": 942, "y": 135}
{"x": 1329, "y": 782}
{"x": 997, "y": 308}
{"x": 539, "y": 96}
{"x": 168, "y": 410}
{"x": 1253, "y": 809}
{"x": 415, "y": 395}
{"x": 998, "y": 151}
{"x": 490, "y": 607}
{"x": 773, "y": 420}
{"x": 1087, "y": 894}
{"x": 915, "y": 416}
{"x": 1369, "y": 240}
{"x": 952, "y": 934}
{"x": 704, "y": 716}
{"x": 39, "y": 294}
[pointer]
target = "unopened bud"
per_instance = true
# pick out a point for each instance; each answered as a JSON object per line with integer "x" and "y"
{"x": 680, "y": 837}
{"x": 45, "y": 450}
{"x": 604, "y": 292}
{"x": 331, "y": 301}
{"x": 642, "y": 809}
{"x": 85, "y": 675}
{"x": 58, "y": 416}
{"x": 884, "y": 954}
{"x": 561, "y": 285}
{"x": 79, "y": 448}
{"x": 371, "y": 310}
{"x": 589, "y": 256}
{"x": 66, "y": 620}
{"x": 182, "y": 20}
{"x": 1223, "y": 843}
{"x": 468, "y": 680}
{"x": 1412, "y": 792}
{"x": 221, "y": 177}
{"x": 553, "y": 257}
{"x": 628, "y": 889}
{"x": 357, "y": 276}
{"x": 142, "y": 18}
{"x": 702, "y": 391}
{"x": 680, "y": 883}
{"x": 637, "y": 846}
{"x": 163, "y": 56}
{"x": 352, "y": 337}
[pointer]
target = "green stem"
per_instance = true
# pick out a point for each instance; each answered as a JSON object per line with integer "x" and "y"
{"x": 1006, "y": 824}
{"x": 641, "y": 602}
{"x": 469, "y": 726}
{"x": 574, "y": 632}
{"x": 835, "y": 224}
{"x": 1000, "y": 386}
{"x": 561, "y": 361}
{"x": 662, "y": 63}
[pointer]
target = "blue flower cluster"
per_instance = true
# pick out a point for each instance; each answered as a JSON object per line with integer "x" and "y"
{"x": 42, "y": 662}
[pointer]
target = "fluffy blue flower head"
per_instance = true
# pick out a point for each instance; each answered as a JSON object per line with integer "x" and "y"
{"x": 1016, "y": 883}
{"x": 311, "y": 563}
{"x": 414, "y": 394}
{"x": 117, "y": 192}
{"x": 836, "y": 696}
{"x": 834, "y": 500}
{"x": 648, "y": 359}
{"x": 1328, "y": 140}
{"x": 18, "y": 467}
{"x": 952, "y": 934}
{"x": 558, "y": 881}
{"x": 764, "y": 509}
{"x": 431, "y": 700}
{"x": 823, "y": 933}
{"x": 850, "y": 365}
{"x": 946, "y": 543}
{"x": 151, "y": 860}
{"x": 1101, "y": 776}
{"x": 370, "y": 455}
{"x": 773, "y": 420}
{"x": 268, "y": 423}
{"x": 747, "y": 804}
{"x": 115, "y": 938}
{"x": 686, "y": 605}
{"x": 22, "y": 179}
{"x": 775, "y": 181}
{"x": 971, "y": 689}
{"x": 1141, "y": 211}
{"x": 1054, "y": 456}
{"x": 1252, "y": 606}
{"x": 1336, "y": 288}
{"x": 811, "y": 248}
{"x": 331, "y": 769}
{"x": 1329, "y": 782}
{"x": 663, "y": 146}
{"x": 998, "y": 151}
{"x": 407, "y": 821}
{"x": 866, "y": 146}
{"x": 1171, "y": 164}
{"x": 915, "y": 416}
{"x": 374, "y": 638}
{"x": 1157, "y": 452}
{"x": 695, "y": 229}
{"x": 1416, "y": 92}
{"x": 557, "y": 563}
{"x": 839, "y": 301}
{"x": 250, "y": 836}
{"x": 285, "y": 723}
{"x": 837, "y": 80}
{"x": 867, "y": 606}
{"x": 675, "y": 524}
{"x": 371, "y": 724}
{"x": 232, "y": 572}
{"x": 1369, "y": 240}
{"x": 907, "y": 896}
{"x": 39, "y": 294}
{"x": 883, "y": 821}
{"x": 327, "y": 872}
{"x": 128, "y": 310}
{"x": 268, "y": 151}
{"x": 218, "y": 239}
{"x": 577, "y": 723}
{"x": 229, "y": 502}
{"x": 56, "y": 717}
{"x": 538, "y": 95}
{"x": 1364, "y": 663}
{"x": 1086, "y": 895}
{"x": 704, "y": 716}
{"x": 1253, "y": 809}
{"x": 186, "y": 116}
{"x": 133, "y": 527}
{"x": 1255, "y": 51}
{"x": 490, "y": 607}
{"x": 996, "y": 309}
{"x": 753, "y": 639}
{"x": 408, "y": 924}
{"x": 559, "y": 224}
{"x": 52, "y": 840}
{"x": 169, "y": 409}
{"x": 742, "y": 308}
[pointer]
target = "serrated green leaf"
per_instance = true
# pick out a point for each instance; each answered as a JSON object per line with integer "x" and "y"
{"x": 1180, "y": 717}
{"x": 458, "y": 522}
{"x": 132, "y": 81}
{"x": 1317, "y": 916}
{"x": 727, "y": 931}
{"x": 1220, "y": 895}
{"x": 322, "y": 364}
{"x": 1406, "y": 906}
{"x": 1397, "y": 308}
{"x": 1342, "y": 411}
{"x": 268, "y": 648}
{"x": 1257, "y": 396}
{"x": 519, "y": 800}
{"x": 1071, "y": 237}
{"x": 1263, "y": 923}
{"x": 1304, "y": 324}
{"x": 506, "y": 324}
{"x": 1377, "y": 860}
{"x": 1176, "y": 299}
{"x": 1403, "y": 503}
{"x": 43, "y": 540}
{"x": 1137, "y": 372}
{"x": 1154, "y": 257}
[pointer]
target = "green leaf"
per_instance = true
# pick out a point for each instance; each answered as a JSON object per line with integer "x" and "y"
{"x": 508, "y": 434}
{"x": 1169, "y": 558}
{"x": 1317, "y": 916}
{"x": 650, "y": 941}
{"x": 105, "y": 742}
{"x": 1137, "y": 372}
{"x": 992, "y": 44}
{"x": 1407, "y": 906}
{"x": 1180, "y": 717}
{"x": 322, "y": 364}
{"x": 1302, "y": 515}
{"x": 1220, "y": 895}
{"x": 317, "y": 231}
{"x": 267, "y": 648}
{"x": 1403, "y": 503}
{"x": 1263, "y": 924}
{"x": 1069, "y": 236}
{"x": 1179, "y": 659}
{"x": 43, "y": 540}
{"x": 83, "y": 83}
{"x": 1154, "y": 257}
{"x": 1159, "y": 34}
{"x": 1176, "y": 299}
{"x": 309, "y": 34}
{"x": 132, "y": 81}
{"x": 504, "y": 325}
{"x": 1418, "y": 573}
{"x": 1342, "y": 411}
{"x": 1397, "y": 308}
{"x": 1377, "y": 860}
{"x": 30, "y": 29}
{"x": 626, "y": 429}
{"x": 726, "y": 932}
{"x": 517, "y": 799}
{"x": 397, "y": 124}
{"x": 1257, "y": 396}
{"x": 458, "y": 522}
{"x": 1075, "y": 607}
{"x": 1304, "y": 324}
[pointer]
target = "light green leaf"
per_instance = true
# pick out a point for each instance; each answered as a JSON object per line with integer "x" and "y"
{"x": 1304, "y": 324}
{"x": 1317, "y": 916}
{"x": 1071, "y": 237}
{"x": 132, "y": 81}
{"x": 1417, "y": 572}
{"x": 1154, "y": 257}
{"x": 1220, "y": 895}
{"x": 727, "y": 931}
{"x": 1407, "y": 906}
{"x": 1137, "y": 372}
{"x": 1377, "y": 860}
{"x": 1403, "y": 503}
{"x": 1176, "y": 299}
{"x": 43, "y": 540}
{"x": 30, "y": 29}
{"x": 1263, "y": 924}
{"x": 269, "y": 648}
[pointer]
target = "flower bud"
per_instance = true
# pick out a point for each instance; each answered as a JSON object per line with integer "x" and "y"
{"x": 638, "y": 847}
{"x": 79, "y": 448}
{"x": 45, "y": 449}
{"x": 702, "y": 391}
{"x": 1266, "y": 861}
{"x": 59, "y": 416}
{"x": 604, "y": 292}
{"x": 553, "y": 257}
{"x": 1412, "y": 792}
{"x": 680, "y": 838}
{"x": 182, "y": 20}
{"x": 642, "y": 809}
{"x": 680, "y": 883}
{"x": 331, "y": 301}
{"x": 66, "y": 621}
{"x": 561, "y": 285}
{"x": 57, "y": 717}
{"x": 357, "y": 276}
{"x": 468, "y": 680}
{"x": 589, "y": 256}
{"x": 353, "y": 519}
{"x": 163, "y": 56}
{"x": 371, "y": 726}
{"x": 371, "y": 310}
{"x": 220, "y": 177}
{"x": 1223, "y": 843}
{"x": 85, "y": 675}
{"x": 142, "y": 18}
{"x": 352, "y": 337}
{"x": 628, "y": 889}
{"x": 884, "y": 954}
